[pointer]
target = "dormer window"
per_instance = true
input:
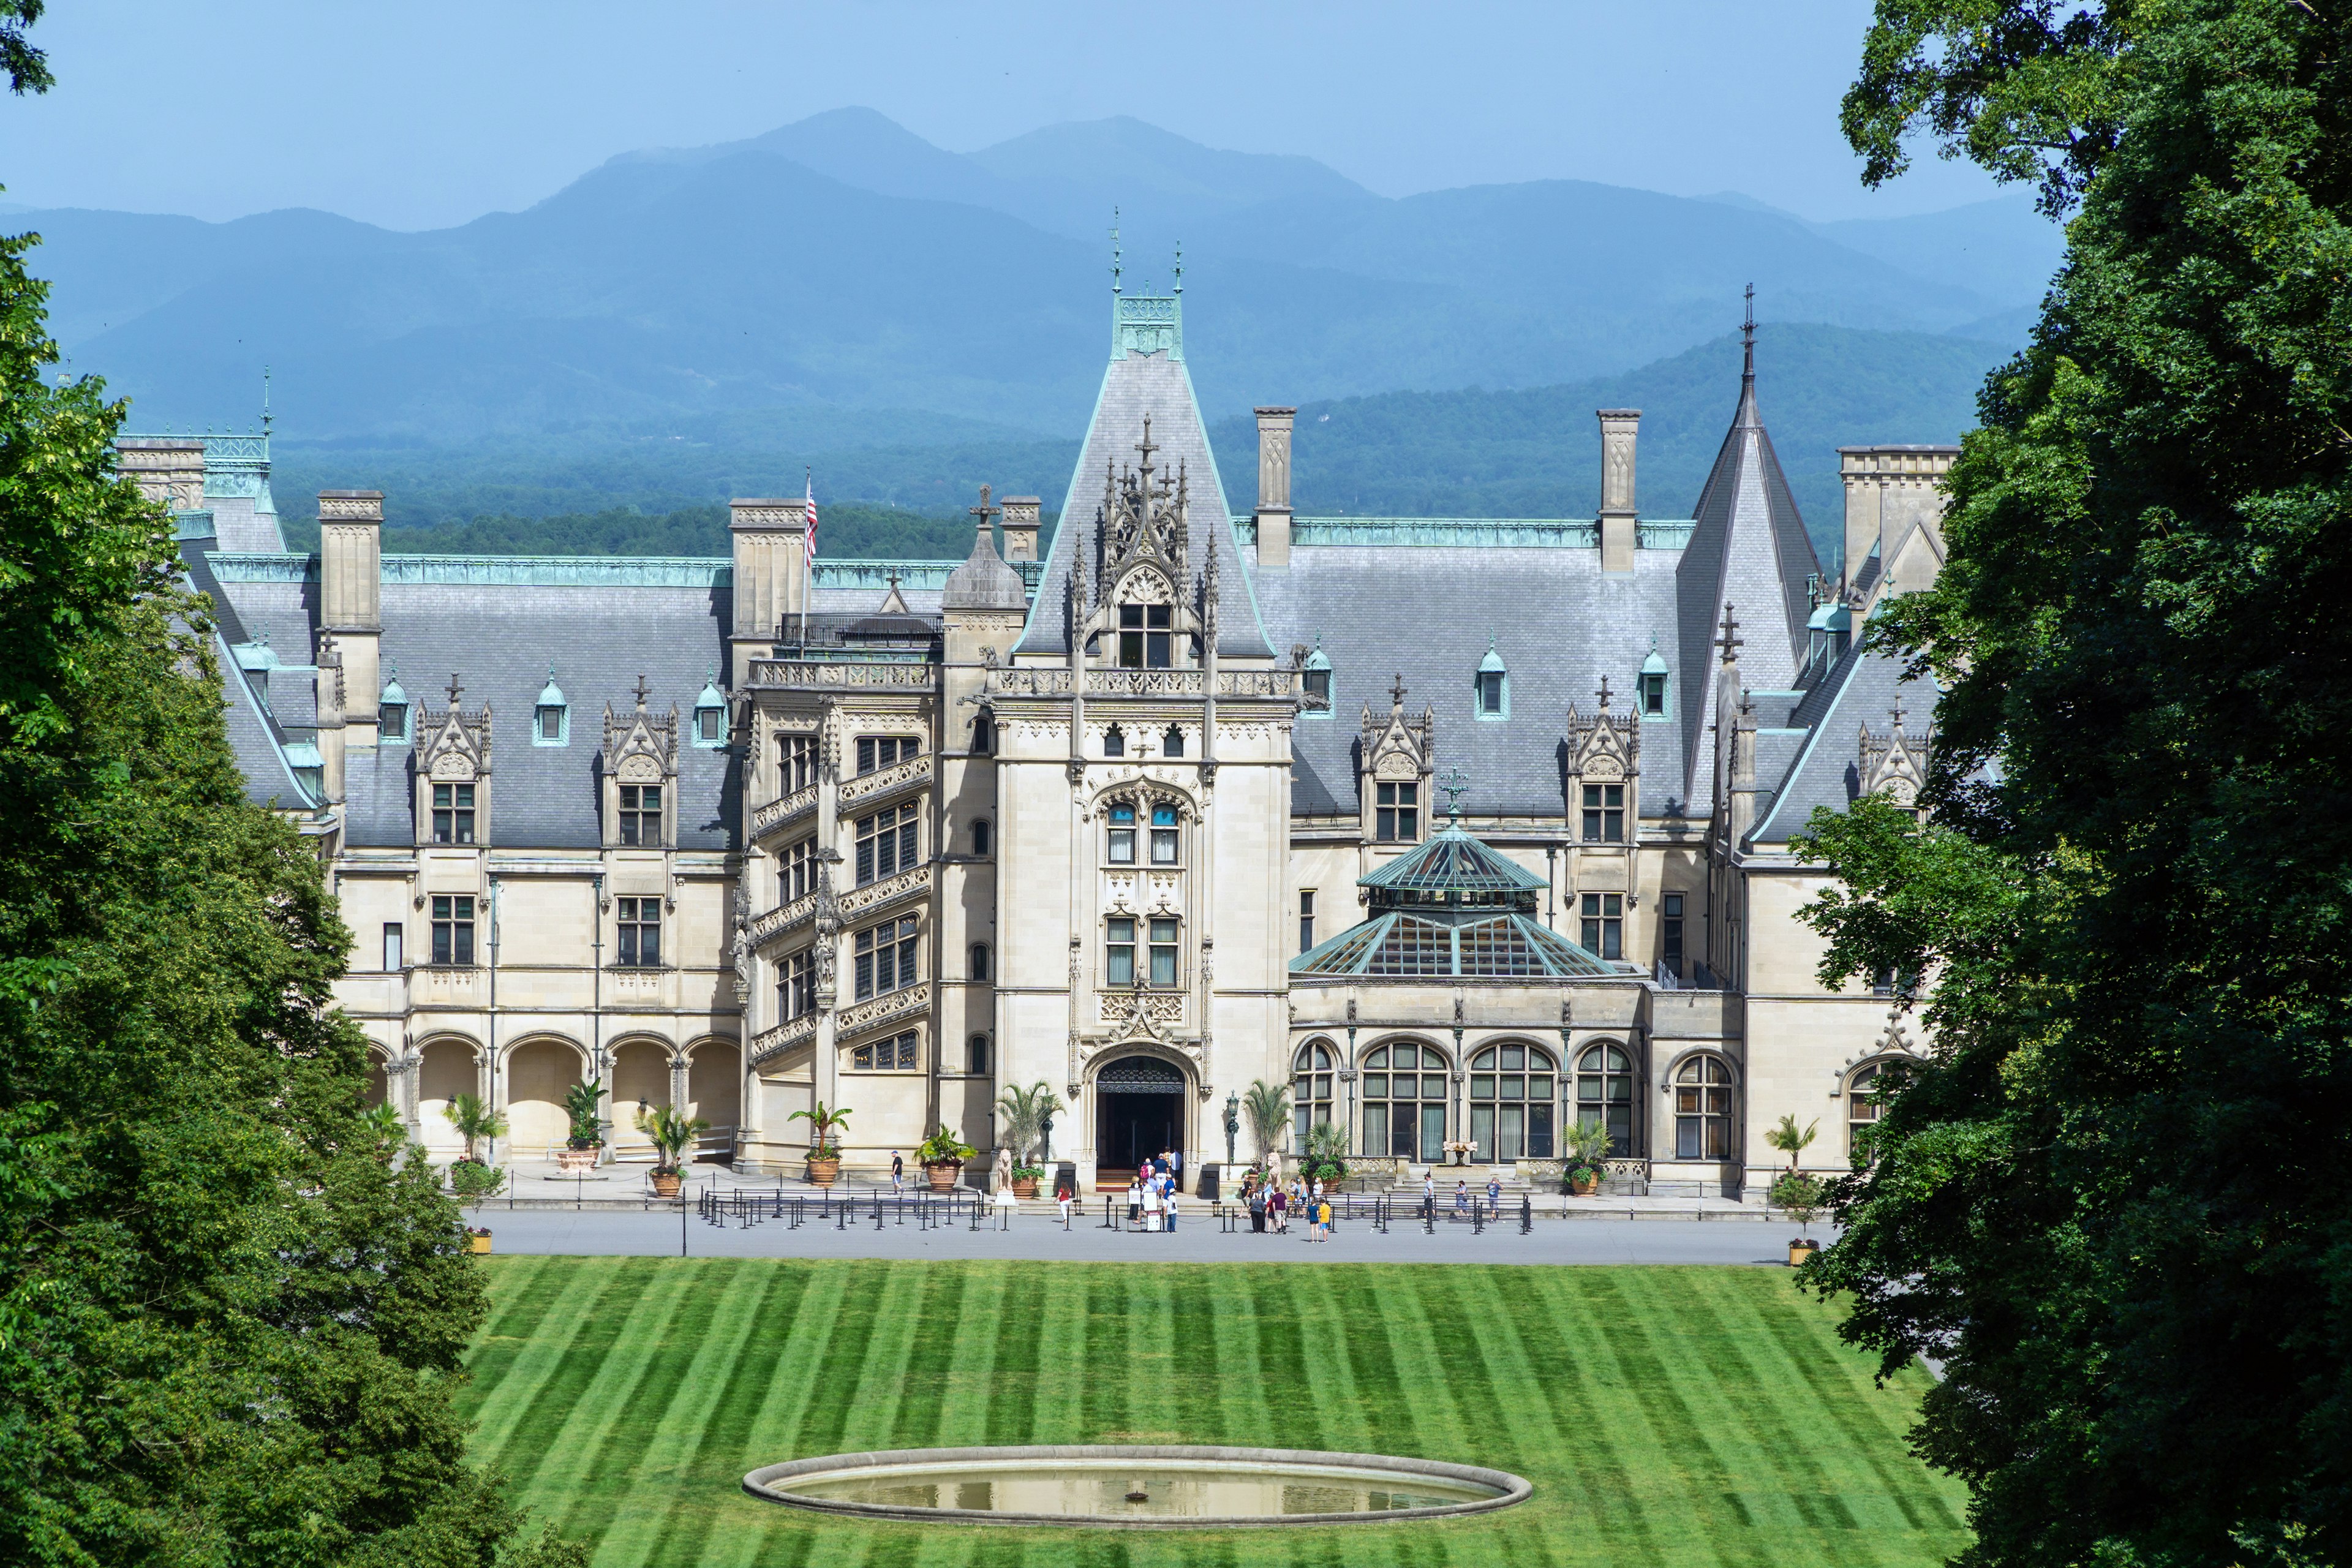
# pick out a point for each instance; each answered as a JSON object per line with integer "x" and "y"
{"x": 551, "y": 722}
{"x": 711, "y": 714}
{"x": 1114, "y": 741}
{"x": 1493, "y": 690}
{"x": 1315, "y": 680}
{"x": 1171, "y": 744}
{"x": 1144, "y": 635}
{"x": 391, "y": 713}
{"x": 1650, "y": 686}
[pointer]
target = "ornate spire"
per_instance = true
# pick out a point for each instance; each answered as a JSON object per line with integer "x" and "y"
{"x": 1748, "y": 340}
{"x": 1729, "y": 641}
{"x": 1114, "y": 287}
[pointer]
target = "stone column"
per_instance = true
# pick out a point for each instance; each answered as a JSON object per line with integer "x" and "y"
{"x": 1619, "y": 427}
{"x": 351, "y": 600}
{"x": 1273, "y": 486}
{"x": 770, "y": 539}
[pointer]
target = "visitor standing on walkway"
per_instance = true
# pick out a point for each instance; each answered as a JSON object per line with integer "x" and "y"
{"x": 1062, "y": 1196}
{"x": 898, "y": 1175}
{"x": 1134, "y": 1202}
{"x": 1254, "y": 1196}
{"x": 1462, "y": 1197}
{"x": 1172, "y": 1209}
{"x": 1151, "y": 1206}
{"x": 1429, "y": 1193}
{"x": 1176, "y": 1167}
{"x": 1494, "y": 1195}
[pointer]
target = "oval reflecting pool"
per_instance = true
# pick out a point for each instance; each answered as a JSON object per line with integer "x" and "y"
{"x": 1134, "y": 1488}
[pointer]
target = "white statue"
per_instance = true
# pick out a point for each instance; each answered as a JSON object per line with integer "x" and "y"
{"x": 1003, "y": 1168}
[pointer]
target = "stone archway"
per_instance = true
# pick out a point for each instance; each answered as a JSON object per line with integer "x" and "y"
{"x": 1143, "y": 1105}
{"x": 539, "y": 1072}
{"x": 445, "y": 1068}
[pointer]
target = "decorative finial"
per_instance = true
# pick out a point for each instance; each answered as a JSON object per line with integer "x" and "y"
{"x": 1396, "y": 693}
{"x": 1897, "y": 712}
{"x": 1454, "y": 783}
{"x": 1748, "y": 339}
{"x": 1146, "y": 447}
{"x": 1114, "y": 251}
{"x": 1730, "y": 639}
{"x": 1604, "y": 693}
{"x": 1180, "y": 266}
{"x": 265, "y": 400}
{"x": 643, "y": 690}
{"x": 454, "y": 689}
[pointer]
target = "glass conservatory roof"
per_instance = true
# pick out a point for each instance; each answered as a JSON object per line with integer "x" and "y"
{"x": 1446, "y": 942}
{"x": 1454, "y": 868}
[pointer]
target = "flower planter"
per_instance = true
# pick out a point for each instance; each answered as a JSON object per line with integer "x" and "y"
{"x": 943, "y": 1174}
{"x": 1584, "y": 1186}
{"x": 825, "y": 1173}
{"x": 667, "y": 1183}
{"x": 480, "y": 1244}
{"x": 1025, "y": 1187}
{"x": 1799, "y": 1251}
{"x": 576, "y": 1159}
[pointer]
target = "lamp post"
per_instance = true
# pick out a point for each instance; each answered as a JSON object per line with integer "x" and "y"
{"x": 1046, "y": 1131}
{"x": 1233, "y": 1124}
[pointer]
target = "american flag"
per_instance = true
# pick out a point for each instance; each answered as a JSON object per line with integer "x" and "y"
{"x": 811, "y": 537}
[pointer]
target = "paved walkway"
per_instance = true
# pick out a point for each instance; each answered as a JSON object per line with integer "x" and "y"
{"x": 1037, "y": 1234}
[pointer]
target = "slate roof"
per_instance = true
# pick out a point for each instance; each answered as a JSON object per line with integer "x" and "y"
{"x": 1135, "y": 384}
{"x": 1824, "y": 766}
{"x": 1426, "y": 613}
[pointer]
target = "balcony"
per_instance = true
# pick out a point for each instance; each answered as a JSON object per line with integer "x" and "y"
{"x": 890, "y": 891}
{"x": 871, "y": 789}
{"x": 784, "y": 811}
{"x": 770, "y": 1044}
{"x": 781, "y": 921}
{"x": 883, "y": 1012}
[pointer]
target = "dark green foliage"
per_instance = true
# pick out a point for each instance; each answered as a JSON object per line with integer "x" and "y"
{"x": 27, "y": 67}
{"x": 2113, "y": 1202}
{"x": 231, "y": 1309}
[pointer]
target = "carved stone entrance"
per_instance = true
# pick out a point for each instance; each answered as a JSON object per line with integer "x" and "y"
{"x": 1138, "y": 1111}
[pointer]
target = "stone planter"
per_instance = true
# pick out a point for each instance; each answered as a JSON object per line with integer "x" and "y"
{"x": 667, "y": 1183}
{"x": 478, "y": 1244}
{"x": 1584, "y": 1186}
{"x": 1025, "y": 1187}
{"x": 943, "y": 1174}
{"x": 576, "y": 1159}
{"x": 825, "y": 1173}
{"x": 1799, "y": 1250}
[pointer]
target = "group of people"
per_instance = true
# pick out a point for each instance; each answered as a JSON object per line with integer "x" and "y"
{"x": 1155, "y": 1196}
{"x": 1271, "y": 1204}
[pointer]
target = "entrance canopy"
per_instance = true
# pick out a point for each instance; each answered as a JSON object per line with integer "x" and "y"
{"x": 1140, "y": 1075}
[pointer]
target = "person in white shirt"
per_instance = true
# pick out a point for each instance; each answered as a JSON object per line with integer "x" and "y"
{"x": 1062, "y": 1196}
{"x": 1152, "y": 1202}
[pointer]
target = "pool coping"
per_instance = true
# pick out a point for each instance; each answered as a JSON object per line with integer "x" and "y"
{"x": 762, "y": 1483}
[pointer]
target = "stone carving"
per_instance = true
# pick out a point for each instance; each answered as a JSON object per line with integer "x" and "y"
{"x": 1399, "y": 749}
{"x": 454, "y": 743}
{"x": 743, "y": 947}
{"x": 781, "y": 921}
{"x": 1256, "y": 682}
{"x": 1895, "y": 764}
{"x": 805, "y": 674}
{"x": 1034, "y": 682}
{"x": 641, "y": 747}
{"x": 887, "y": 780}
{"x": 1143, "y": 682}
{"x": 770, "y": 1044}
{"x": 784, "y": 812}
{"x": 1143, "y": 1011}
{"x": 875, "y": 896}
{"x": 882, "y": 1010}
{"x": 1604, "y": 746}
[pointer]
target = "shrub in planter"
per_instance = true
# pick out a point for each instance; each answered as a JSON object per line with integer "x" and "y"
{"x": 825, "y": 1147}
{"x": 1588, "y": 1146}
{"x": 469, "y": 1178}
{"x": 1025, "y": 1179}
{"x": 942, "y": 1155}
{"x": 478, "y": 1240}
{"x": 672, "y": 1134}
{"x": 581, "y": 1108}
{"x": 1800, "y": 1196}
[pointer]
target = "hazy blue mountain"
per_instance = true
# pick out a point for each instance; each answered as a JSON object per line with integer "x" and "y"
{"x": 844, "y": 263}
{"x": 2001, "y": 249}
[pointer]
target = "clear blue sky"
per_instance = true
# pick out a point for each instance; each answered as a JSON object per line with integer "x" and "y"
{"x": 423, "y": 114}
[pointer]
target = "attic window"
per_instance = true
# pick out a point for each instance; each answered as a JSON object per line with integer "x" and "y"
{"x": 1171, "y": 744}
{"x": 1315, "y": 680}
{"x": 1143, "y": 637}
{"x": 550, "y": 719}
{"x": 710, "y": 713}
{"x": 1654, "y": 695}
{"x": 391, "y": 712}
{"x": 1114, "y": 741}
{"x": 1493, "y": 691}
{"x": 1318, "y": 689}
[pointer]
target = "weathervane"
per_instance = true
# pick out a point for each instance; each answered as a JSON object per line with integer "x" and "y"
{"x": 1114, "y": 251}
{"x": 1456, "y": 784}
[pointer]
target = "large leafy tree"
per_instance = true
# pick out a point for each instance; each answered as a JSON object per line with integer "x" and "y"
{"x": 231, "y": 1307}
{"x": 2114, "y": 1200}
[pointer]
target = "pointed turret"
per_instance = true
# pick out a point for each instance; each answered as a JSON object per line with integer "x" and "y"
{"x": 1748, "y": 548}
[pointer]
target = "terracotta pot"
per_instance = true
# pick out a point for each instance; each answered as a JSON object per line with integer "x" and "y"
{"x": 1799, "y": 1251}
{"x": 1584, "y": 1186}
{"x": 478, "y": 1244}
{"x": 1025, "y": 1187}
{"x": 943, "y": 1174}
{"x": 665, "y": 1184}
{"x": 825, "y": 1173}
{"x": 576, "y": 1159}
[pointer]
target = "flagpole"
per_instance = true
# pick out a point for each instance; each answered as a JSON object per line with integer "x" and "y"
{"x": 808, "y": 551}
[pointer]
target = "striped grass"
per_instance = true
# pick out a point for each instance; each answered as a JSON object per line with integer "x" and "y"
{"x": 1668, "y": 1416}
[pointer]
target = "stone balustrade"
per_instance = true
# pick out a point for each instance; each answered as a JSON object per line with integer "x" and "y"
{"x": 1045, "y": 681}
{"x": 770, "y": 1044}
{"x": 885, "y": 1011}
{"x": 875, "y": 897}
{"x": 781, "y": 919}
{"x": 868, "y": 789}
{"x": 834, "y": 675}
{"x": 784, "y": 811}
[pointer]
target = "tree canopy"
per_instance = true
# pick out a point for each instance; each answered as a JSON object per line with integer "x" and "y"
{"x": 2110, "y": 1200}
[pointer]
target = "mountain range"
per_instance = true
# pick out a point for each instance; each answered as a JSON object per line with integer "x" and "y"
{"x": 841, "y": 267}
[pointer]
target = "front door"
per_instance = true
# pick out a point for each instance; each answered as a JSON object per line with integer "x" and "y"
{"x": 1138, "y": 1113}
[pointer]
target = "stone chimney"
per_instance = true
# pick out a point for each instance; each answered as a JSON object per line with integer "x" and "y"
{"x": 168, "y": 469}
{"x": 1273, "y": 486}
{"x": 350, "y": 598}
{"x": 1894, "y": 505}
{"x": 1619, "y": 427}
{"x": 1020, "y": 523}
{"x": 771, "y": 539}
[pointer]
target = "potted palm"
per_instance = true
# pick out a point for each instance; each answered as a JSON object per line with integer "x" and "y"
{"x": 1790, "y": 1140}
{"x": 476, "y": 1121}
{"x": 1588, "y": 1146}
{"x": 1267, "y": 1108}
{"x": 1326, "y": 1153}
{"x": 672, "y": 1134}
{"x": 1799, "y": 1196}
{"x": 825, "y": 1123}
{"x": 581, "y": 1106}
{"x": 942, "y": 1155}
{"x": 1025, "y": 1113}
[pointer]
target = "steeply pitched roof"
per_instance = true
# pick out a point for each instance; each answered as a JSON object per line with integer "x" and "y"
{"x": 984, "y": 582}
{"x": 1138, "y": 383}
{"x": 1749, "y": 551}
{"x": 1825, "y": 768}
{"x": 1451, "y": 863}
{"x": 1485, "y": 943}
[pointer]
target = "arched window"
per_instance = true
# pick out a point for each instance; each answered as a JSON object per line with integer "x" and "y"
{"x": 1862, "y": 1110}
{"x": 1121, "y": 835}
{"x": 1512, "y": 1090}
{"x": 1703, "y": 1110}
{"x": 980, "y": 836}
{"x": 980, "y": 961}
{"x": 550, "y": 719}
{"x": 1164, "y": 833}
{"x": 1171, "y": 744}
{"x": 1604, "y": 1094}
{"x": 1114, "y": 741}
{"x": 1311, "y": 1085}
{"x": 983, "y": 735}
{"x": 1404, "y": 1103}
{"x": 977, "y": 1063}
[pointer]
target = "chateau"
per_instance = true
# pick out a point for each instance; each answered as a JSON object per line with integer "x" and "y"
{"x": 1465, "y": 828}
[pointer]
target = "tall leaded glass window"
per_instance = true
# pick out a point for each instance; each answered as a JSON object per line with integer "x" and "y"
{"x": 1604, "y": 924}
{"x": 795, "y": 763}
{"x": 1861, "y": 1111}
{"x": 1396, "y": 813}
{"x": 1163, "y": 835}
{"x": 1144, "y": 636}
{"x": 1703, "y": 1110}
{"x": 885, "y": 843}
{"x": 886, "y": 957}
{"x": 1311, "y": 1084}
{"x": 1121, "y": 845}
{"x": 1604, "y": 814}
{"x": 1604, "y": 1094}
{"x": 453, "y": 813}
{"x": 641, "y": 815}
{"x": 1118, "y": 950}
{"x": 1163, "y": 950}
{"x": 1512, "y": 1091}
{"x": 1404, "y": 1103}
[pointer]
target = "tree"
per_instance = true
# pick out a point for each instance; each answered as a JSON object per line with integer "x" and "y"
{"x": 474, "y": 1120}
{"x": 1267, "y": 1108}
{"x": 1791, "y": 1140}
{"x": 232, "y": 1305}
{"x": 825, "y": 1125}
{"x": 2110, "y": 1200}
{"x": 1026, "y": 1113}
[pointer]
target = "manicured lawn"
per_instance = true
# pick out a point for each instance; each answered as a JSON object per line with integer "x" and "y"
{"x": 1668, "y": 1416}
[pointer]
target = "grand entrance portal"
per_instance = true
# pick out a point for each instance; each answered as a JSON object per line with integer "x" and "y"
{"x": 1138, "y": 1111}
